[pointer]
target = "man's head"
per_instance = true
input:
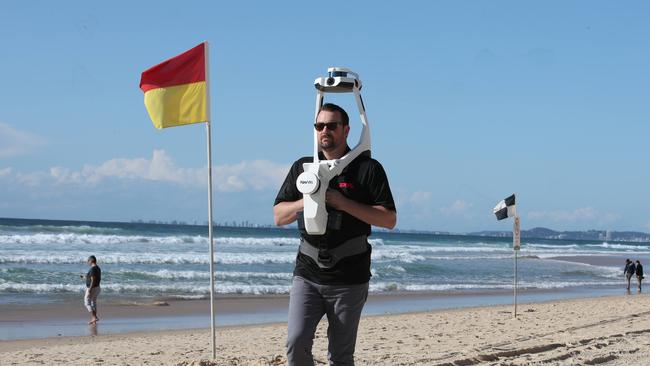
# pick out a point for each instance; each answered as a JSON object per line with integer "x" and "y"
{"x": 627, "y": 260}
{"x": 332, "y": 127}
{"x": 92, "y": 260}
{"x": 637, "y": 262}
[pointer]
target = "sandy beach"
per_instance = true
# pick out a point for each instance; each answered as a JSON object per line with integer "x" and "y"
{"x": 613, "y": 330}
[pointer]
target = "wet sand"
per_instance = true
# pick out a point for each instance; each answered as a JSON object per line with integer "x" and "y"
{"x": 602, "y": 260}
{"x": 68, "y": 317}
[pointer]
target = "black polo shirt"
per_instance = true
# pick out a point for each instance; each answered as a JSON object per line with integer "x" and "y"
{"x": 363, "y": 180}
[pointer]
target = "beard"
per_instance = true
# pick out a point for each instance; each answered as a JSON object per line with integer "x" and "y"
{"x": 327, "y": 144}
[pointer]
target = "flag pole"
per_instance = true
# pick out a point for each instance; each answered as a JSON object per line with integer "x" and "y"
{"x": 515, "y": 245}
{"x": 515, "y": 284}
{"x": 212, "y": 318}
{"x": 210, "y": 237}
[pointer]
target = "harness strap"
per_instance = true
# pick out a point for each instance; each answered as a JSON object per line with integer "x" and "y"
{"x": 327, "y": 258}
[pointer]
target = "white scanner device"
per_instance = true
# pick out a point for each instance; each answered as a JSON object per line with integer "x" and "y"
{"x": 315, "y": 179}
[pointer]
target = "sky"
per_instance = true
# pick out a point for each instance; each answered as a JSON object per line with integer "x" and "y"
{"x": 467, "y": 101}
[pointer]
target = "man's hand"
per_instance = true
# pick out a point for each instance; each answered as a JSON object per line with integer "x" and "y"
{"x": 376, "y": 215}
{"x": 336, "y": 199}
{"x": 286, "y": 212}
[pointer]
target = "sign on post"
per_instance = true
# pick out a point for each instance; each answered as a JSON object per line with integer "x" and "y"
{"x": 516, "y": 235}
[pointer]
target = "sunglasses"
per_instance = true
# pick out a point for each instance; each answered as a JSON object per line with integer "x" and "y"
{"x": 330, "y": 125}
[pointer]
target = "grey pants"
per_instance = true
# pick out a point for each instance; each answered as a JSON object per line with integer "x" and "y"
{"x": 90, "y": 299}
{"x": 308, "y": 303}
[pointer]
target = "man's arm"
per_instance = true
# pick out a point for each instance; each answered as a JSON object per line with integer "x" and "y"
{"x": 376, "y": 215}
{"x": 286, "y": 212}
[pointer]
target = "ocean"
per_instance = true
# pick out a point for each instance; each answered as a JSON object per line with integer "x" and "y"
{"x": 41, "y": 260}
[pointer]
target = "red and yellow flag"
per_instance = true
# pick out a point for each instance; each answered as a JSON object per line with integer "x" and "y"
{"x": 175, "y": 91}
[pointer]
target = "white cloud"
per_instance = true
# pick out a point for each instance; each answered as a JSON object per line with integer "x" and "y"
{"x": 159, "y": 168}
{"x": 26, "y": 179}
{"x": 32, "y": 179}
{"x": 578, "y": 214}
{"x": 413, "y": 205}
{"x": 256, "y": 175}
{"x": 417, "y": 203}
{"x": 246, "y": 175}
{"x": 413, "y": 200}
{"x": 457, "y": 208}
{"x": 14, "y": 142}
{"x": 419, "y": 198}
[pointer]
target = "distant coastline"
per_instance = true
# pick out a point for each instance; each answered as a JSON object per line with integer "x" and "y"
{"x": 545, "y": 233}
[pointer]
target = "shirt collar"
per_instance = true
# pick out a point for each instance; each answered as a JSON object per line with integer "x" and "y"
{"x": 321, "y": 156}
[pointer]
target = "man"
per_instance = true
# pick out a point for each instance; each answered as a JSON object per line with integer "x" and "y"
{"x": 360, "y": 197}
{"x": 639, "y": 273}
{"x": 629, "y": 271}
{"x": 93, "y": 278}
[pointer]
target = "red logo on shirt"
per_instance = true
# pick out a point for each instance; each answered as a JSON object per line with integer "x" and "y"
{"x": 346, "y": 185}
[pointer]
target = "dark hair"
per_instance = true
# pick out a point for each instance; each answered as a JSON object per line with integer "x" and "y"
{"x": 331, "y": 107}
{"x": 92, "y": 259}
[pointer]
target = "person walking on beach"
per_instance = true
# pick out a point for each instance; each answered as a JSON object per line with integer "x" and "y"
{"x": 323, "y": 283}
{"x": 93, "y": 278}
{"x": 639, "y": 273}
{"x": 629, "y": 271}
